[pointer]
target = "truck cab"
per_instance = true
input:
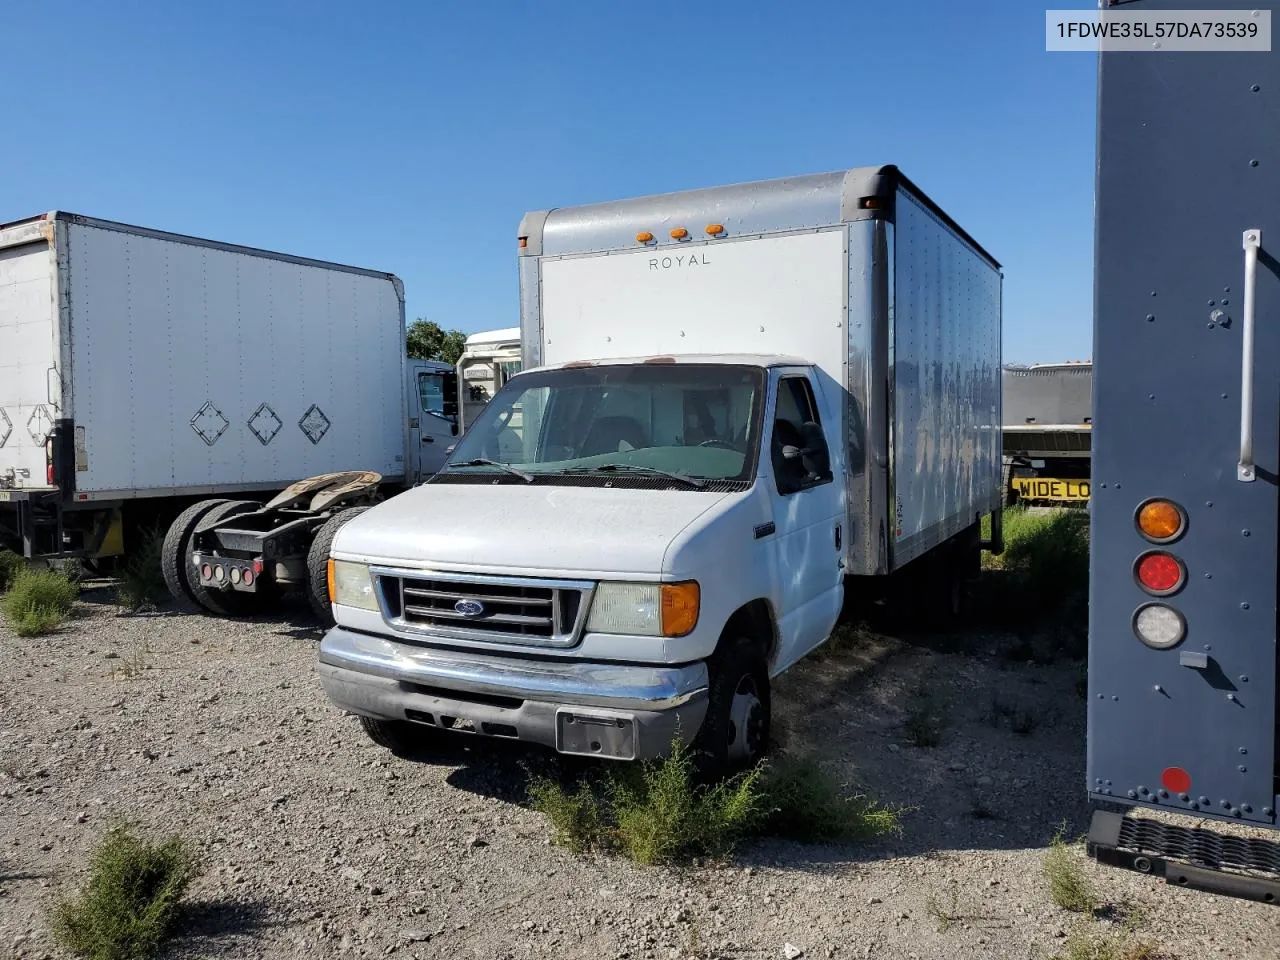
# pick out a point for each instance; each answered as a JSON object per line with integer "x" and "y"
{"x": 705, "y": 557}
{"x": 432, "y": 394}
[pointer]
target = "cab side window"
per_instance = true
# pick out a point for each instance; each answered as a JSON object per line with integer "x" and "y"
{"x": 796, "y": 408}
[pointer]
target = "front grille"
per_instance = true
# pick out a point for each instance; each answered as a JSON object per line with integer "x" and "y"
{"x": 498, "y": 609}
{"x": 1199, "y": 846}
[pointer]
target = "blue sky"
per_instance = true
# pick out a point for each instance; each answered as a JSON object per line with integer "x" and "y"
{"x": 411, "y": 137}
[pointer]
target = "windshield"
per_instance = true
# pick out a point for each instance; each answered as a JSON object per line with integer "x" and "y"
{"x": 697, "y": 421}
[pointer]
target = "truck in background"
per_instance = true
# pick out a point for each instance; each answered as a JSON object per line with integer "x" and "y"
{"x": 635, "y": 537}
{"x": 153, "y": 380}
{"x": 1048, "y": 422}
{"x": 1183, "y": 709}
{"x": 489, "y": 359}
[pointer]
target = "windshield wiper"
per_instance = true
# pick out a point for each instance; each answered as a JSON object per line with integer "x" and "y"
{"x": 695, "y": 482}
{"x": 482, "y": 462}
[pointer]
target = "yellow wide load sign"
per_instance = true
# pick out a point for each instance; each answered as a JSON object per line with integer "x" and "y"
{"x": 1044, "y": 488}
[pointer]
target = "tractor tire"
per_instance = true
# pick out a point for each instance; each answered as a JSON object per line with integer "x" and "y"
{"x": 174, "y": 554}
{"x": 228, "y": 603}
{"x": 318, "y": 563}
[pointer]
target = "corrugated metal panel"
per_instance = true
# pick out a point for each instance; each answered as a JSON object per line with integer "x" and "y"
{"x": 945, "y": 371}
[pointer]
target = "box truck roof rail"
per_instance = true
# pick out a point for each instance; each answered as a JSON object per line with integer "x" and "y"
{"x": 725, "y": 359}
{"x": 11, "y": 236}
{"x": 743, "y": 209}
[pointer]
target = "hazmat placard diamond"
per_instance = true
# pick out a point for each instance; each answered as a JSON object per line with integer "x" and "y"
{"x": 314, "y": 423}
{"x": 39, "y": 424}
{"x": 209, "y": 423}
{"x": 265, "y": 424}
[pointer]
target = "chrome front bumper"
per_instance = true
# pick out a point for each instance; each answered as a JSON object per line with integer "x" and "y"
{"x": 594, "y": 709}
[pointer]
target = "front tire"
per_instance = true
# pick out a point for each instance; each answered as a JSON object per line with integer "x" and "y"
{"x": 318, "y": 563}
{"x": 735, "y": 732}
{"x": 398, "y": 736}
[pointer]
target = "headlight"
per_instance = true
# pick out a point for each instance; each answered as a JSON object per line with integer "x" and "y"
{"x": 645, "y": 609}
{"x": 351, "y": 586}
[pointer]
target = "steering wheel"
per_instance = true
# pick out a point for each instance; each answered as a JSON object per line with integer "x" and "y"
{"x": 717, "y": 442}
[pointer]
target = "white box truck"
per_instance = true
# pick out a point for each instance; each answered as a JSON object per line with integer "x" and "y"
{"x": 489, "y": 359}
{"x": 146, "y": 376}
{"x": 735, "y": 399}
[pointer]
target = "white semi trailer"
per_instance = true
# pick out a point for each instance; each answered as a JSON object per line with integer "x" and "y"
{"x": 147, "y": 376}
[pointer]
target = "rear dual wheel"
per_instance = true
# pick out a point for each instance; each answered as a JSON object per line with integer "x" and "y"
{"x": 175, "y": 552}
{"x": 226, "y": 603}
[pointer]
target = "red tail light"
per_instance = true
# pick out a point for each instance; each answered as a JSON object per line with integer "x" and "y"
{"x": 48, "y": 473}
{"x": 1160, "y": 573}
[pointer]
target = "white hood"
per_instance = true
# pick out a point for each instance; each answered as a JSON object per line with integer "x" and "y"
{"x": 540, "y": 529}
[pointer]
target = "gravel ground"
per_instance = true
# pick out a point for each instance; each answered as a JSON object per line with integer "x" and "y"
{"x": 318, "y": 844}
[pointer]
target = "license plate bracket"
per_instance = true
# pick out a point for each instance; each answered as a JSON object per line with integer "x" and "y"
{"x": 596, "y": 733}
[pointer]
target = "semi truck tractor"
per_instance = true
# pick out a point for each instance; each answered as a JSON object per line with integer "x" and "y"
{"x": 153, "y": 381}
{"x": 1182, "y": 717}
{"x": 735, "y": 400}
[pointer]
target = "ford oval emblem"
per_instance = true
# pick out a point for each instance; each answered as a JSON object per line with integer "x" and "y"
{"x": 469, "y": 608}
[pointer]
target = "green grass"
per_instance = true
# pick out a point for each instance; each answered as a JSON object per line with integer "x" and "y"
{"x": 944, "y": 915}
{"x": 130, "y": 903}
{"x": 141, "y": 581}
{"x": 11, "y": 565}
{"x": 1068, "y": 886}
{"x": 38, "y": 601}
{"x": 658, "y": 812}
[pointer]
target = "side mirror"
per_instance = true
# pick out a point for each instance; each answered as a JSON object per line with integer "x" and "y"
{"x": 814, "y": 455}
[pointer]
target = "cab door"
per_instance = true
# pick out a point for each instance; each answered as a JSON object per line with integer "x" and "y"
{"x": 808, "y": 519}
{"x": 433, "y": 394}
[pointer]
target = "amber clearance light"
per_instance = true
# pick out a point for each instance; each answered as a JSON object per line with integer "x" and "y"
{"x": 680, "y": 608}
{"x": 1161, "y": 521}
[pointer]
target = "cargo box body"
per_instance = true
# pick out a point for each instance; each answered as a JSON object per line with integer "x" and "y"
{"x": 855, "y": 272}
{"x": 167, "y": 365}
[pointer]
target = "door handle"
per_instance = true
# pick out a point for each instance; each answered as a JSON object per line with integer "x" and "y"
{"x": 1245, "y": 472}
{"x": 428, "y": 439}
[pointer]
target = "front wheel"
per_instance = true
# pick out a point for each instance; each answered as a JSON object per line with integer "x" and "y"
{"x": 398, "y": 736}
{"x": 735, "y": 731}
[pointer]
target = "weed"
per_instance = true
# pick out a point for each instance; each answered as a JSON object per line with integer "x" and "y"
{"x": 657, "y": 812}
{"x": 663, "y": 816}
{"x": 135, "y": 664}
{"x": 141, "y": 581}
{"x": 945, "y": 916}
{"x": 577, "y": 820}
{"x": 11, "y": 565}
{"x": 38, "y": 601}
{"x": 129, "y": 905}
{"x": 1088, "y": 945}
{"x": 925, "y": 720}
{"x": 1068, "y": 886}
{"x": 804, "y": 803}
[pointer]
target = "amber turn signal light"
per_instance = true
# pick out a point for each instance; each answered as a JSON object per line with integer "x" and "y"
{"x": 1161, "y": 521}
{"x": 329, "y": 576}
{"x": 680, "y": 603}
